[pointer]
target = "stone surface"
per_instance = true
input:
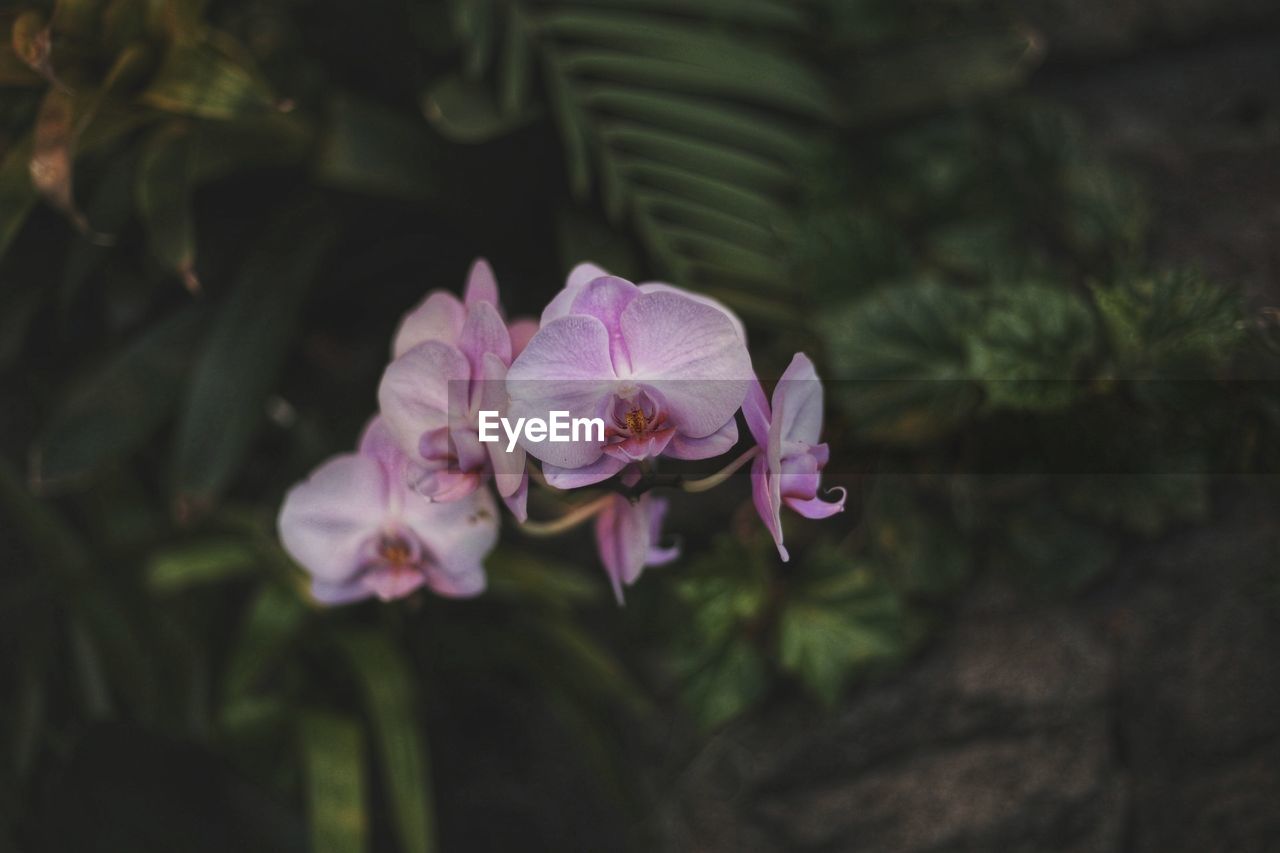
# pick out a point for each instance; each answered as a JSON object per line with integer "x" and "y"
{"x": 1144, "y": 716}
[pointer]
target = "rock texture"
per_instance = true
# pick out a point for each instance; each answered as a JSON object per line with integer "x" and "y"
{"x": 1144, "y": 717}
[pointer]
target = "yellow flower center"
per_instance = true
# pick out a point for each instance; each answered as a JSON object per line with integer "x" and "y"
{"x": 635, "y": 422}
{"x": 395, "y": 551}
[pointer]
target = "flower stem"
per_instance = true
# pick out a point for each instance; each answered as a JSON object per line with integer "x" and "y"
{"x": 568, "y": 521}
{"x": 708, "y": 483}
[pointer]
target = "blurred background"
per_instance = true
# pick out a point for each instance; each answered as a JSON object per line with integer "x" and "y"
{"x": 1031, "y": 246}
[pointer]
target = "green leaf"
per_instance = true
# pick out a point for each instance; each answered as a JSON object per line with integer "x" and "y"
{"x": 724, "y": 594}
{"x": 701, "y": 116}
{"x": 274, "y": 618}
{"x": 465, "y": 111}
{"x": 227, "y": 147}
{"x": 164, "y": 200}
{"x": 517, "y": 65}
{"x": 104, "y": 631}
{"x": 1174, "y": 324}
{"x": 109, "y": 210}
{"x": 114, "y": 411}
{"x": 334, "y": 753}
{"x": 192, "y": 564}
{"x": 902, "y": 355}
{"x": 726, "y": 683}
{"x": 693, "y": 127}
{"x": 208, "y": 79}
{"x": 474, "y": 23}
{"x": 1103, "y": 212}
{"x": 840, "y": 619}
{"x": 1031, "y": 345}
{"x": 572, "y": 121}
{"x": 721, "y": 605}
{"x": 824, "y": 645}
{"x": 390, "y": 696}
{"x": 714, "y": 159}
{"x": 683, "y": 55}
{"x": 773, "y": 14}
{"x": 241, "y": 359}
{"x": 367, "y": 148}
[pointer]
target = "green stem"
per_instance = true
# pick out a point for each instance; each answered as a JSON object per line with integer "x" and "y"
{"x": 568, "y": 521}
{"x": 708, "y": 483}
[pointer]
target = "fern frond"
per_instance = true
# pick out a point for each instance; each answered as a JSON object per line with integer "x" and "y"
{"x": 690, "y": 124}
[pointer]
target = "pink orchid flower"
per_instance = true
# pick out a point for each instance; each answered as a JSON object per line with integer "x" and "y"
{"x": 360, "y": 531}
{"x": 665, "y": 371}
{"x": 583, "y": 274}
{"x": 789, "y": 467}
{"x": 627, "y": 537}
{"x": 450, "y": 361}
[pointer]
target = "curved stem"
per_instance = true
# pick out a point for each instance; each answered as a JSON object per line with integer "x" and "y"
{"x": 568, "y": 521}
{"x": 535, "y": 473}
{"x": 723, "y": 474}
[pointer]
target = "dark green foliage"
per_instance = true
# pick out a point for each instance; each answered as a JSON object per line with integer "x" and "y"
{"x": 239, "y": 361}
{"x": 861, "y": 180}
{"x": 1171, "y": 324}
{"x": 333, "y": 750}
{"x": 390, "y": 696}
{"x": 1031, "y": 345}
{"x": 724, "y": 682}
{"x": 900, "y": 355}
{"x": 693, "y": 136}
{"x": 823, "y": 619}
{"x": 840, "y": 620}
{"x": 115, "y": 410}
{"x": 718, "y": 655}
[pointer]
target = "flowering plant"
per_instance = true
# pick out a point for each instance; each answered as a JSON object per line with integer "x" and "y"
{"x": 661, "y": 371}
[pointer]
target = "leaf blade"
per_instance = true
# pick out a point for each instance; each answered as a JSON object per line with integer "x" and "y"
{"x": 115, "y": 411}
{"x": 333, "y": 752}
{"x": 243, "y": 355}
{"x": 389, "y": 695}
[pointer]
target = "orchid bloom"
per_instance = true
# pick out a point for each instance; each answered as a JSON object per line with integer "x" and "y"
{"x": 664, "y": 370}
{"x": 359, "y": 530}
{"x": 789, "y": 467}
{"x": 627, "y": 537}
{"x": 450, "y": 359}
{"x": 583, "y": 274}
